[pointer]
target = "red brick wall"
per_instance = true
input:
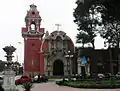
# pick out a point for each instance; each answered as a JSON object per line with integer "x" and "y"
{"x": 32, "y": 54}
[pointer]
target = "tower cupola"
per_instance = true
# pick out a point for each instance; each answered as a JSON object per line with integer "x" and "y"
{"x": 33, "y": 22}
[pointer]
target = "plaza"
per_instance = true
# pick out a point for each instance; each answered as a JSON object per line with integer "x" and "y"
{"x": 51, "y": 57}
{"x": 51, "y": 86}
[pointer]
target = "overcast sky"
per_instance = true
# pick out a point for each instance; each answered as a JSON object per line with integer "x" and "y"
{"x": 12, "y": 14}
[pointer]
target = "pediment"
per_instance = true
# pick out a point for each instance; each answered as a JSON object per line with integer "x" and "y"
{"x": 56, "y": 34}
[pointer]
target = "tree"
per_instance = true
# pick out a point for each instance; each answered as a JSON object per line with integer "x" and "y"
{"x": 82, "y": 38}
{"x": 2, "y": 65}
{"x": 111, "y": 22}
{"x": 16, "y": 67}
{"x": 112, "y": 9}
{"x": 87, "y": 23}
{"x": 110, "y": 12}
{"x": 112, "y": 6}
{"x": 111, "y": 33}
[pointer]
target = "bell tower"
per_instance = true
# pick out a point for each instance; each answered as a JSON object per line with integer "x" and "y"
{"x": 32, "y": 34}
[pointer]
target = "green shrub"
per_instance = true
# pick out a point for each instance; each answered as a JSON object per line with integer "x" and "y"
{"x": 91, "y": 84}
{"x": 61, "y": 82}
{"x": 27, "y": 86}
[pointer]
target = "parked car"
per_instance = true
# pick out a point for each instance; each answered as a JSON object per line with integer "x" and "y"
{"x": 40, "y": 78}
{"x": 36, "y": 78}
{"x": 78, "y": 76}
{"x": 101, "y": 75}
{"x": 23, "y": 79}
{"x": 108, "y": 75}
{"x": 44, "y": 78}
{"x": 117, "y": 75}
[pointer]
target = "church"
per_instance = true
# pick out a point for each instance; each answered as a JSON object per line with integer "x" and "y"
{"x": 44, "y": 53}
{"x": 54, "y": 54}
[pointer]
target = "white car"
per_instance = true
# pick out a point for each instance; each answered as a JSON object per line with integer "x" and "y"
{"x": 35, "y": 78}
{"x": 118, "y": 75}
{"x": 101, "y": 75}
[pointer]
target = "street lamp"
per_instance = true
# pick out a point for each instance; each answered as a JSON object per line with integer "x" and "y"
{"x": 17, "y": 53}
{"x": 69, "y": 62}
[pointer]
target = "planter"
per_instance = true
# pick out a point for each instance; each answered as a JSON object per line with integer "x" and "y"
{"x": 27, "y": 89}
{"x": 27, "y": 86}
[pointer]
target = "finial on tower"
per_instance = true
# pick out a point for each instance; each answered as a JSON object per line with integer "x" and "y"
{"x": 33, "y": 6}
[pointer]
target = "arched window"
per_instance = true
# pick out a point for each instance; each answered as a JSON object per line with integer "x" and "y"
{"x": 32, "y": 26}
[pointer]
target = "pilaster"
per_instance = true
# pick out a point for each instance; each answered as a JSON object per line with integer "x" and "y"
{"x": 79, "y": 65}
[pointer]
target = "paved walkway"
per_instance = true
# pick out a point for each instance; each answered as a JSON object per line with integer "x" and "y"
{"x": 51, "y": 86}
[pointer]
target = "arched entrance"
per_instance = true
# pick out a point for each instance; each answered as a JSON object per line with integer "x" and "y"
{"x": 58, "y": 68}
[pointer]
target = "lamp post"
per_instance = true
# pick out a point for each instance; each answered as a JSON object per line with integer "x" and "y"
{"x": 69, "y": 62}
{"x": 17, "y": 53}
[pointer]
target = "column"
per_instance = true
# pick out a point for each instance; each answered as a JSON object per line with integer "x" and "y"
{"x": 70, "y": 66}
{"x": 45, "y": 66}
{"x": 79, "y": 65}
{"x": 118, "y": 62}
{"x": 88, "y": 68}
{"x": 65, "y": 68}
{"x": 79, "y": 69}
{"x": 41, "y": 63}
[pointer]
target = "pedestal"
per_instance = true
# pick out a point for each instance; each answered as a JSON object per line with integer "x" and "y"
{"x": 9, "y": 80}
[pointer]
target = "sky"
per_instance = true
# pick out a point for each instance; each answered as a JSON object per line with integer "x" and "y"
{"x": 52, "y": 12}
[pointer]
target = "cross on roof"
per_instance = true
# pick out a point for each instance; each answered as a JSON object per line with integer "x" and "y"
{"x": 58, "y": 25}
